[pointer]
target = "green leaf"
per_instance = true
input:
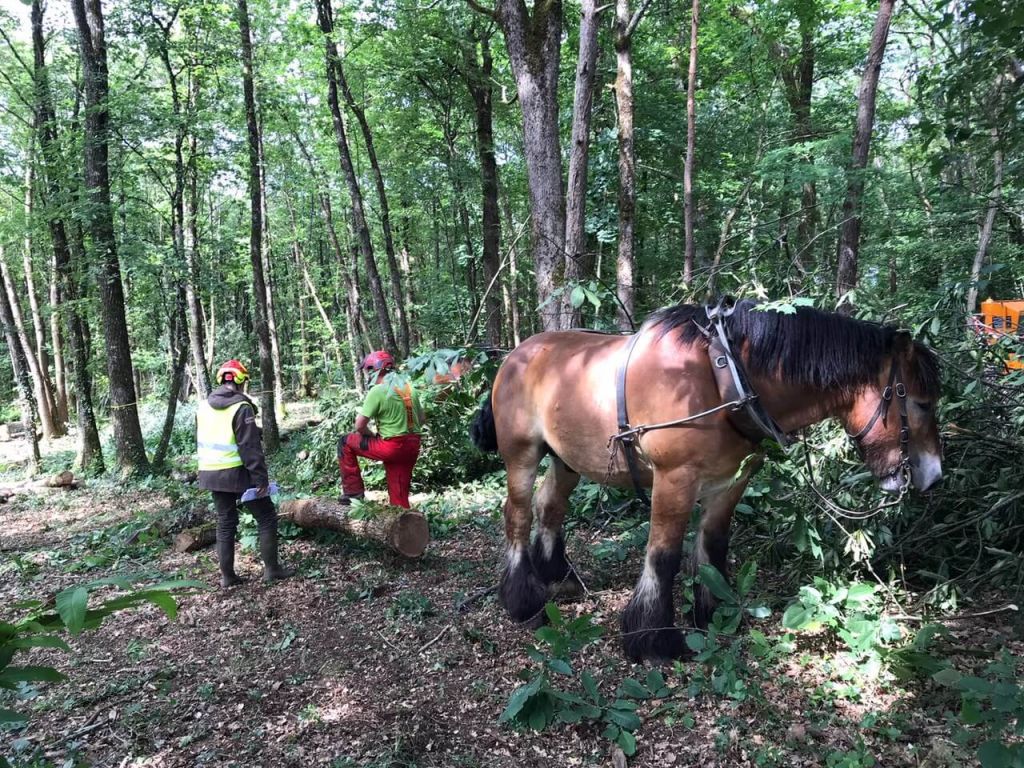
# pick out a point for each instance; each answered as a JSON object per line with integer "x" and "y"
{"x": 948, "y": 676}
{"x": 13, "y": 675}
{"x": 627, "y": 741}
{"x": 554, "y": 614}
{"x": 970, "y": 713}
{"x": 975, "y": 685}
{"x": 994, "y": 754}
{"x": 797, "y": 616}
{"x": 589, "y": 685}
{"x": 632, "y": 688}
{"x": 519, "y": 698}
{"x": 711, "y": 578}
{"x": 696, "y": 641}
{"x": 577, "y": 297}
{"x": 655, "y": 680}
{"x": 40, "y": 641}
{"x": 71, "y": 605}
{"x": 759, "y": 611}
{"x": 10, "y": 716}
{"x": 164, "y": 601}
{"x": 626, "y": 720}
{"x": 560, "y": 666}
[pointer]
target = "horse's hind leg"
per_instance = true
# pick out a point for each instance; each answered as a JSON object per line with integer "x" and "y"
{"x": 648, "y": 623}
{"x": 548, "y": 552}
{"x": 520, "y": 590}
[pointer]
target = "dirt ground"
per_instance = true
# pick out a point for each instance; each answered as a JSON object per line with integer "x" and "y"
{"x": 364, "y": 660}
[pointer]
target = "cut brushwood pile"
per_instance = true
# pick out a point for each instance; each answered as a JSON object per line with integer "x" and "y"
{"x": 61, "y": 481}
{"x": 404, "y": 530}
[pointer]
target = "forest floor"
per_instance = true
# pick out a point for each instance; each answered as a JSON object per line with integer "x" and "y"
{"x": 364, "y": 660}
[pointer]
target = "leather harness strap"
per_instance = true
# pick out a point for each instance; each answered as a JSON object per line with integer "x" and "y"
{"x": 628, "y": 442}
{"x": 748, "y": 416}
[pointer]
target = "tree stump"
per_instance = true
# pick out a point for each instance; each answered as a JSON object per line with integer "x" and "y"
{"x": 196, "y": 537}
{"x": 404, "y": 530}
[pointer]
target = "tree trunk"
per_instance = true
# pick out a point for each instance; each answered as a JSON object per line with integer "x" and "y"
{"x": 179, "y": 347}
{"x": 404, "y": 530}
{"x": 40, "y": 384}
{"x": 576, "y": 190}
{"x": 268, "y": 276}
{"x": 394, "y": 273}
{"x": 271, "y": 438}
{"x": 57, "y": 344}
{"x": 131, "y": 451}
{"x": 479, "y": 73}
{"x": 849, "y": 237}
{"x": 985, "y": 236}
{"x": 21, "y": 379}
{"x": 200, "y": 361}
{"x": 534, "y": 49}
{"x": 325, "y": 20}
{"x": 44, "y": 387}
{"x": 689, "y": 208}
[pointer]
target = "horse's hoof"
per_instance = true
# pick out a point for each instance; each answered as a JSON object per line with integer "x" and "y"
{"x": 523, "y": 595}
{"x": 658, "y": 645}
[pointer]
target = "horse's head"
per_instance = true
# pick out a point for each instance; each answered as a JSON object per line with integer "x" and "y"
{"x": 893, "y": 419}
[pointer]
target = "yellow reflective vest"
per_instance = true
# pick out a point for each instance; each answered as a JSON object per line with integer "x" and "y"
{"x": 215, "y": 434}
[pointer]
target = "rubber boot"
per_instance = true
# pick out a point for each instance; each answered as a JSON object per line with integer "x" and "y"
{"x": 272, "y": 569}
{"x": 226, "y": 561}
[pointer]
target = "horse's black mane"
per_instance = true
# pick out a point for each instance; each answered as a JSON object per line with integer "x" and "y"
{"x": 824, "y": 350}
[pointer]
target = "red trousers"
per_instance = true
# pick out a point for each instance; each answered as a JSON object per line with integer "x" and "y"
{"x": 399, "y": 455}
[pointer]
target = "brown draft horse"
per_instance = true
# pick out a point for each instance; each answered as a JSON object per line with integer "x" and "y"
{"x": 555, "y": 394}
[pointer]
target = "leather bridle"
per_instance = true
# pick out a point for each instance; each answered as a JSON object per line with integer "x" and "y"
{"x": 894, "y": 386}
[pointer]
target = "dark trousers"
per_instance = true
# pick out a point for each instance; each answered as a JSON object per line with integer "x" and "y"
{"x": 226, "y": 505}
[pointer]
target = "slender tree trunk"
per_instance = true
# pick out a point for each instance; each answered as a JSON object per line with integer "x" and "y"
{"x": 689, "y": 207}
{"x": 985, "y": 236}
{"x": 38, "y": 326}
{"x": 197, "y": 342}
{"x": 849, "y": 237}
{"x": 513, "y": 276}
{"x": 268, "y": 275}
{"x": 179, "y": 347}
{"x": 576, "y": 189}
{"x": 40, "y": 380}
{"x": 394, "y": 272}
{"x": 361, "y": 231}
{"x": 271, "y": 438}
{"x": 131, "y": 451}
{"x": 57, "y": 344}
{"x": 479, "y": 73}
{"x": 534, "y": 48}
{"x": 21, "y": 379}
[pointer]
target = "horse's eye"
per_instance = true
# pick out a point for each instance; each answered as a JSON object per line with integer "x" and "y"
{"x": 923, "y": 406}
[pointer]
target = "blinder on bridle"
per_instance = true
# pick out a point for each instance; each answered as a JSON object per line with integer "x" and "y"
{"x": 894, "y": 386}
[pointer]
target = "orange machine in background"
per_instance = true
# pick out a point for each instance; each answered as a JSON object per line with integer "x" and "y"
{"x": 999, "y": 319}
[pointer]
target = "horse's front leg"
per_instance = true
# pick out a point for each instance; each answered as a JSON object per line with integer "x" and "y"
{"x": 548, "y": 552}
{"x": 712, "y": 545}
{"x": 520, "y": 590}
{"x": 648, "y": 623}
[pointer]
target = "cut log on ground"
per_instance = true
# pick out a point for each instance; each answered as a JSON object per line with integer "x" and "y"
{"x": 195, "y": 538}
{"x": 404, "y": 530}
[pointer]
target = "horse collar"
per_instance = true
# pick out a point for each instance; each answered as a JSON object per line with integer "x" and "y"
{"x": 748, "y": 416}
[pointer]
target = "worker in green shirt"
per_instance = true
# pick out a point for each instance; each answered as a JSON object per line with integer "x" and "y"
{"x": 397, "y": 412}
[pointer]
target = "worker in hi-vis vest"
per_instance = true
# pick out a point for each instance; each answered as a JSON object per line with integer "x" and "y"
{"x": 396, "y": 409}
{"x": 231, "y": 461}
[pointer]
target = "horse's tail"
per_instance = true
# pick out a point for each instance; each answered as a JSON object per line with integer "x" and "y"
{"x": 482, "y": 431}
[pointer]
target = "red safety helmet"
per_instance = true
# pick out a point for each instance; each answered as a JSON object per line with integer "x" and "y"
{"x": 232, "y": 370}
{"x": 377, "y": 361}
